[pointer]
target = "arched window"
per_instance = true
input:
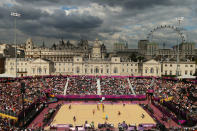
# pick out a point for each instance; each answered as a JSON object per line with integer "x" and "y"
{"x": 115, "y": 70}
{"x": 151, "y": 70}
{"x": 107, "y": 70}
{"x": 77, "y": 70}
{"x": 39, "y": 70}
{"x": 146, "y": 70}
{"x": 96, "y": 70}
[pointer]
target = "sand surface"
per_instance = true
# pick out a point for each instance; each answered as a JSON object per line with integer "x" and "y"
{"x": 130, "y": 113}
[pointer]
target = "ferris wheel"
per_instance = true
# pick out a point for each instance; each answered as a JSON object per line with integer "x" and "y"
{"x": 162, "y": 27}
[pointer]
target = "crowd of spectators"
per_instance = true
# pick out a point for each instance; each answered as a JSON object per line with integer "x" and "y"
{"x": 180, "y": 94}
{"x": 140, "y": 85}
{"x": 82, "y": 85}
{"x": 115, "y": 86}
{"x": 183, "y": 94}
{"x": 11, "y": 96}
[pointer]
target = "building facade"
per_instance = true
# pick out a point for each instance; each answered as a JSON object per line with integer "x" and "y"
{"x": 170, "y": 68}
{"x": 96, "y": 63}
{"x": 28, "y": 67}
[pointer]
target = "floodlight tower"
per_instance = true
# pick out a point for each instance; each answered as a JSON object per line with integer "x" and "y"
{"x": 179, "y": 19}
{"x": 15, "y": 15}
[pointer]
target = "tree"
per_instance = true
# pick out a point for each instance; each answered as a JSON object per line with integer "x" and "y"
{"x": 133, "y": 57}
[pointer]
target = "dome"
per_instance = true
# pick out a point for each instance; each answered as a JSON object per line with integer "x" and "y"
{"x": 29, "y": 41}
{"x": 97, "y": 44}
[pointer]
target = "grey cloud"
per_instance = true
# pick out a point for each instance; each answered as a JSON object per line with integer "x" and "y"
{"x": 37, "y": 23}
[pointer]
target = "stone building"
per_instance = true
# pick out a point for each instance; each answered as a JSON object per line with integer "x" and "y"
{"x": 95, "y": 64}
{"x": 7, "y": 50}
{"x": 28, "y": 67}
{"x": 184, "y": 68}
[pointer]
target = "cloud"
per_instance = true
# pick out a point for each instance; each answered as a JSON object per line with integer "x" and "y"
{"x": 104, "y": 19}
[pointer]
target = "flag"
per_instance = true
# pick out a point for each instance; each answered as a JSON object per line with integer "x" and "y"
{"x": 15, "y": 14}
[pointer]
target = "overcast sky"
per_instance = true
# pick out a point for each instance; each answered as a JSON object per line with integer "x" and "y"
{"x": 107, "y": 20}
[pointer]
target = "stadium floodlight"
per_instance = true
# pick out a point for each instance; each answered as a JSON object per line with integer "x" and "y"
{"x": 15, "y": 15}
{"x": 179, "y": 19}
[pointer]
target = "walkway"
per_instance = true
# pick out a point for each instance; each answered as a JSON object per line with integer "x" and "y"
{"x": 133, "y": 92}
{"x": 158, "y": 114}
{"x": 66, "y": 86}
{"x": 39, "y": 119}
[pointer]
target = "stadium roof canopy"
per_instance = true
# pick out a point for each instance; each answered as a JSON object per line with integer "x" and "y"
{"x": 187, "y": 77}
{"x": 5, "y": 75}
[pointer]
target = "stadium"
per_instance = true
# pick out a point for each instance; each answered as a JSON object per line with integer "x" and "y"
{"x": 68, "y": 102}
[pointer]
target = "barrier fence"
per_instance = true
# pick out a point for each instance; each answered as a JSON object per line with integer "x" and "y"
{"x": 99, "y": 97}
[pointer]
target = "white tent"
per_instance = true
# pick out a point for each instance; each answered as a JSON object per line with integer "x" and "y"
{"x": 187, "y": 77}
{"x": 6, "y": 75}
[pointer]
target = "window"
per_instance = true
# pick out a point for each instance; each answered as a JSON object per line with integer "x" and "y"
{"x": 85, "y": 70}
{"x": 146, "y": 71}
{"x": 151, "y": 70}
{"x": 96, "y": 70}
{"x": 39, "y": 70}
{"x": 45, "y": 70}
{"x": 131, "y": 64}
{"x": 166, "y": 65}
{"x": 191, "y": 72}
{"x": 91, "y": 70}
{"x": 115, "y": 70}
{"x": 33, "y": 70}
{"x": 191, "y": 65}
{"x": 166, "y": 72}
{"x": 107, "y": 70}
{"x": 101, "y": 70}
{"x": 122, "y": 70}
{"x": 135, "y": 70}
{"x": 131, "y": 70}
{"x": 170, "y": 72}
{"x": 77, "y": 70}
{"x": 186, "y": 72}
{"x": 186, "y": 65}
{"x": 170, "y": 65}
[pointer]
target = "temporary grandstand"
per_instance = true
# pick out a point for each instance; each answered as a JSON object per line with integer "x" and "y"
{"x": 56, "y": 102}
